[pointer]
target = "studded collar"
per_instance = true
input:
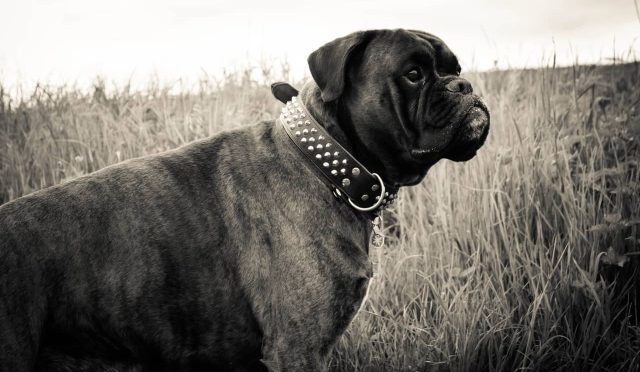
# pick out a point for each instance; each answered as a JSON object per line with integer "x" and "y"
{"x": 349, "y": 180}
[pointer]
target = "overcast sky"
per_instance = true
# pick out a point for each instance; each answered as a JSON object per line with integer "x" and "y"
{"x": 59, "y": 41}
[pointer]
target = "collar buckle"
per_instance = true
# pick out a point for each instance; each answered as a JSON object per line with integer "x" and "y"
{"x": 380, "y": 198}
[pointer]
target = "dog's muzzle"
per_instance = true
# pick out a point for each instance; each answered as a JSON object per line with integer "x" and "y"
{"x": 456, "y": 125}
{"x": 472, "y": 133}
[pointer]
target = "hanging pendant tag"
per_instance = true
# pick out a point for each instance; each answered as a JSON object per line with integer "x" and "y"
{"x": 377, "y": 239}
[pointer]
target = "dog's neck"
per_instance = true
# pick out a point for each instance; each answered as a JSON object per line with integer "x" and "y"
{"x": 336, "y": 119}
{"x": 313, "y": 128}
{"x": 326, "y": 114}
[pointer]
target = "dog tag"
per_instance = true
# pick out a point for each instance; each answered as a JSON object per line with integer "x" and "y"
{"x": 377, "y": 239}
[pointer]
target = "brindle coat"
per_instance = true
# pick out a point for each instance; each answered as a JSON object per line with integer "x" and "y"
{"x": 224, "y": 252}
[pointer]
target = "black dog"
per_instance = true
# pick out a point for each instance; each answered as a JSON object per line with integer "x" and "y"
{"x": 230, "y": 253}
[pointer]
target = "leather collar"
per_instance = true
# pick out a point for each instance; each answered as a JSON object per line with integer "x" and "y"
{"x": 349, "y": 180}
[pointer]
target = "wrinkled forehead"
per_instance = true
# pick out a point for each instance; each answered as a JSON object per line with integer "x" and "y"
{"x": 399, "y": 45}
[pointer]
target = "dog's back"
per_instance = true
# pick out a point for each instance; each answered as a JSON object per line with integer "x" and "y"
{"x": 111, "y": 263}
{"x": 210, "y": 256}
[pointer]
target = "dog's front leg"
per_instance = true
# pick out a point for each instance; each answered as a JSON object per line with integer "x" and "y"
{"x": 306, "y": 318}
{"x": 287, "y": 356}
{"x": 301, "y": 326}
{"x": 294, "y": 350}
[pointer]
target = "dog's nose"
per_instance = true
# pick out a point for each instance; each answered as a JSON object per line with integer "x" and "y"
{"x": 459, "y": 85}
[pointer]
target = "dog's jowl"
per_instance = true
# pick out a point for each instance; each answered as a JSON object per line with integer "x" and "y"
{"x": 244, "y": 251}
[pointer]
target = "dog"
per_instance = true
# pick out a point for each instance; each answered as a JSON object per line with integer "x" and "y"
{"x": 235, "y": 252}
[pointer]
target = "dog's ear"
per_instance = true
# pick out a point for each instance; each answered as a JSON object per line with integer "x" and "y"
{"x": 329, "y": 63}
{"x": 283, "y": 91}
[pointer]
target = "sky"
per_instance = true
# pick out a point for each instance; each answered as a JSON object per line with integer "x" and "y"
{"x": 73, "y": 41}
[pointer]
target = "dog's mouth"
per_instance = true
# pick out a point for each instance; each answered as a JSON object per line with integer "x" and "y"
{"x": 471, "y": 136}
{"x": 465, "y": 141}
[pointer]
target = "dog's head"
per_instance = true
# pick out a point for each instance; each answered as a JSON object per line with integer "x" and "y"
{"x": 400, "y": 101}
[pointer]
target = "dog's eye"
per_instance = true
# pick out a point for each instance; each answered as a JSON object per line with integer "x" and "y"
{"x": 414, "y": 75}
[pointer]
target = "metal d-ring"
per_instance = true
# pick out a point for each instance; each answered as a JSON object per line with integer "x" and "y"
{"x": 377, "y": 204}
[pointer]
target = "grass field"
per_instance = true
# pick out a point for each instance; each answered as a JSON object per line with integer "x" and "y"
{"x": 524, "y": 258}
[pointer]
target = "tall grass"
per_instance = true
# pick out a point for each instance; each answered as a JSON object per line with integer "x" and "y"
{"x": 524, "y": 258}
